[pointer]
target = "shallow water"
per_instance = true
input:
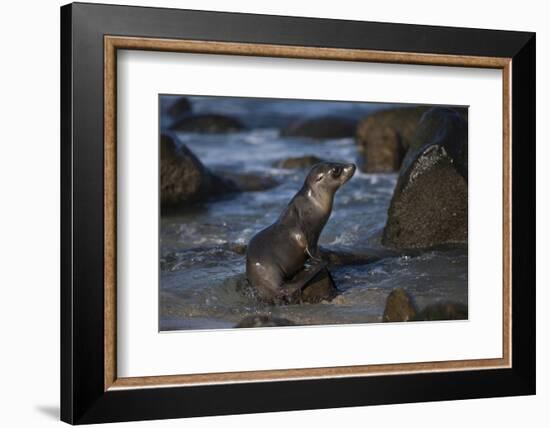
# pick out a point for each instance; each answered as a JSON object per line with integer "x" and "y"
{"x": 201, "y": 271}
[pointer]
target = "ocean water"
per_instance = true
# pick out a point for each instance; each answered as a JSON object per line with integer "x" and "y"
{"x": 201, "y": 272}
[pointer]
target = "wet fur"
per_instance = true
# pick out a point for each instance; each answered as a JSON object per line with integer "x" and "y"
{"x": 277, "y": 253}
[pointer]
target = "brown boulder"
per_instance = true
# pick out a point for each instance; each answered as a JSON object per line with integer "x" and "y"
{"x": 429, "y": 206}
{"x": 208, "y": 124}
{"x": 250, "y": 182}
{"x": 384, "y": 151}
{"x": 384, "y": 137}
{"x": 443, "y": 311}
{"x": 298, "y": 162}
{"x": 447, "y": 128}
{"x": 183, "y": 178}
{"x": 320, "y": 128}
{"x": 399, "y": 307}
{"x": 319, "y": 288}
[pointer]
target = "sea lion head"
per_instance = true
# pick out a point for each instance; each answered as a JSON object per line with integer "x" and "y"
{"x": 328, "y": 177}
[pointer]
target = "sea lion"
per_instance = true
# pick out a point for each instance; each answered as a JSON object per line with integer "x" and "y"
{"x": 277, "y": 253}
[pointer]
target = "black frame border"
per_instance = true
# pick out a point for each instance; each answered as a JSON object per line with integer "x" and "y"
{"x": 83, "y": 399}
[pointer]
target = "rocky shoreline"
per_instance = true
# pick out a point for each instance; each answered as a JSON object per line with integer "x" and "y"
{"x": 427, "y": 147}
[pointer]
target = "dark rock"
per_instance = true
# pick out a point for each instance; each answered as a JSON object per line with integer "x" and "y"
{"x": 208, "y": 124}
{"x": 320, "y": 288}
{"x": 446, "y": 128}
{"x": 184, "y": 179}
{"x": 443, "y": 311}
{"x": 399, "y": 307}
{"x": 384, "y": 137}
{"x": 384, "y": 151}
{"x": 182, "y": 175}
{"x": 263, "y": 321}
{"x": 236, "y": 247}
{"x": 180, "y": 107}
{"x": 249, "y": 182}
{"x": 337, "y": 257}
{"x": 429, "y": 206}
{"x": 320, "y": 128}
{"x": 299, "y": 162}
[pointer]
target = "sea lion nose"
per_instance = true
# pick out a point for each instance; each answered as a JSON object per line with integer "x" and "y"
{"x": 349, "y": 169}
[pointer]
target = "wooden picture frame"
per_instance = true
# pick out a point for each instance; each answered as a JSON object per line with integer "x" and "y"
{"x": 91, "y": 391}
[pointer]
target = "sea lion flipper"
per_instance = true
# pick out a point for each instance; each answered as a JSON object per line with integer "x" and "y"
{"x": 315, "y": 256}
{"x": 301, "y": 280}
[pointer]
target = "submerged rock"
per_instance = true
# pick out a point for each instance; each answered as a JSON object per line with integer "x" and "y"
{"x": 401, "y": 307}
{"x": 263, "y": 321}
{"x": 298, "y": 162}
{"x": 384, "y": 137}
{"x": 208, "y": 124}
{"x": 184, "y": 179}
{"x": 337, "y": 257}
{"x": 429, "y": 206}
{"x": 325, "y": 127}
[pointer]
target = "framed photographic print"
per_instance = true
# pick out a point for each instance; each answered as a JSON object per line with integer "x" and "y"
{"x": 265, "y": 213}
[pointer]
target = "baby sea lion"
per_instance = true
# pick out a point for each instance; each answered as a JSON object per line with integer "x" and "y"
{"x": 277, "y": 253}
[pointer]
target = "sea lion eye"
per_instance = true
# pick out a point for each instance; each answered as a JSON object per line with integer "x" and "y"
{"x": 336, "y": 172}
{"x": 320, "y": 177}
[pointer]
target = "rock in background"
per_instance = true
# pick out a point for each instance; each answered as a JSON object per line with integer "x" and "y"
{"x": 183, "y": 178}
{"x": 249, "y": 182}
{"x": 385, "y": 136}
{"x": 179, "y": 108}
{"x": 429, "y": 206}
{"x": 320, "y": 128}
{"x": 208, "y": 124}
{"x": 299, "y": 162}
{"x": 178, "y": 114}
